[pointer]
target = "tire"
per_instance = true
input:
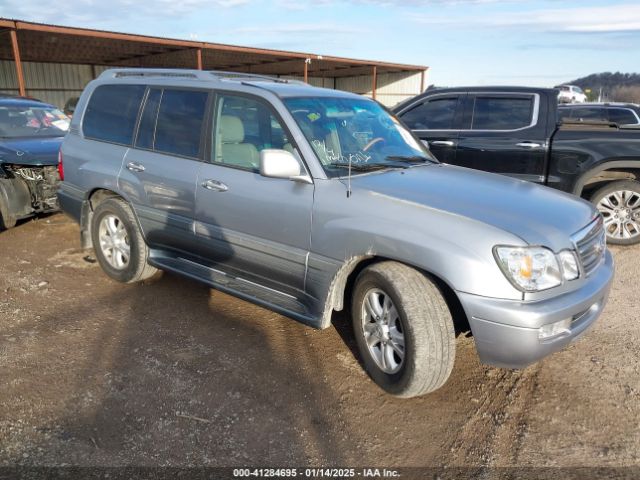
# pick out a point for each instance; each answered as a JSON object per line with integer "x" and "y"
{"x": 619, "y": 203}
{"x": 423, "y": 320}
{"x": 6, "y": 221}
{"x": 114, "y": 232}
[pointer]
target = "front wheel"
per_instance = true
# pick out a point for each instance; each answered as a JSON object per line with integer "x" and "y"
{"x": 119, "y": 245}
{"x": 619, "y": 203}
{"x": 403, "y": 329}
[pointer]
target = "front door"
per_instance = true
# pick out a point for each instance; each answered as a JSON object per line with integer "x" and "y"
{"x": 252, "y": 226}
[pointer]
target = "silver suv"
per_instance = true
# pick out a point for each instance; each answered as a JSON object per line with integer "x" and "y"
{"x": 306, "y": 201}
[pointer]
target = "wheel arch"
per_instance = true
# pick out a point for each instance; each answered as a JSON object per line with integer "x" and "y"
{"x": 93, "y": 199}
{"x": 610, "y": 170}
{"x": 343, "y": 283}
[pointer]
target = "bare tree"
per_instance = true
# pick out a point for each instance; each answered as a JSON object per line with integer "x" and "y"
{"x": 629, "y": 94}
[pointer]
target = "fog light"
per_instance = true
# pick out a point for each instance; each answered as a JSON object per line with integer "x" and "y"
{"x": 554, "y": 329}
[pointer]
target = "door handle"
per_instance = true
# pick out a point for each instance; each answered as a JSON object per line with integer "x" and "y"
{"x": 135, "y": 167}
{"x": 443, "y": 143}
{"x": 215, "y": 185}
{"x": 528, "y": 145}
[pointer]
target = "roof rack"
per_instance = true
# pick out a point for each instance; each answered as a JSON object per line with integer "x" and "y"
{"x": 190, "y": 74}
{"x": 251, "y": 76}
{"x": 150, "y": 72}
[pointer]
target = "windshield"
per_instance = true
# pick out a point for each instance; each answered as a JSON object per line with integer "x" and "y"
{"x": 30, "y": 121}
{"x": 356, "y": 131}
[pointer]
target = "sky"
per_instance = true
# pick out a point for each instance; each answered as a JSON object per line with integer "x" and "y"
{"x": 463, "y": 42}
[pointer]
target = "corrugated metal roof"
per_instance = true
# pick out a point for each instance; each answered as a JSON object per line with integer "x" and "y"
{"x": 52, "y": 43}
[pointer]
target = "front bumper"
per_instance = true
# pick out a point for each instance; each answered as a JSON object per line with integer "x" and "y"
{"x": 506, "y": 332}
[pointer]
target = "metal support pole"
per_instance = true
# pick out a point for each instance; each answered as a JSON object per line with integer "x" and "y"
{"x": 374, "y": 82}
{"x": 199, "y": 58}
{"x": 307, "y": 61}
{"x": 422, "y": 81}
{"x": 16, "y": 58}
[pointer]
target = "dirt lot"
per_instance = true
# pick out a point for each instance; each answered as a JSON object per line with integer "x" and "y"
{"x": 172, "y": 373}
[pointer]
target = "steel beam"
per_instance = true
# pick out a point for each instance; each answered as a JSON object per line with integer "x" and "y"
{"x": 18, "y": 62}
{"x": 374, "y": 82}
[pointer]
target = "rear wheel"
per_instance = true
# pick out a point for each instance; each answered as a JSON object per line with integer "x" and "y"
{"x": 619, "y": 203}
{"x": 119, "y": 245}
{"x": 403, "y": 329}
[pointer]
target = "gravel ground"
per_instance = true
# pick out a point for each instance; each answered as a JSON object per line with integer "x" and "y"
{"x": 169, "y": 372}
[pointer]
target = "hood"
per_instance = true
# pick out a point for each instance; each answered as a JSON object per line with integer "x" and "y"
{"x": 538, "y": 215}
{"x": 32, "y": 151}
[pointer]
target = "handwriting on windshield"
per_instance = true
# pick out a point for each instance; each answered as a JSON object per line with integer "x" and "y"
{"x": 334, "y": 157}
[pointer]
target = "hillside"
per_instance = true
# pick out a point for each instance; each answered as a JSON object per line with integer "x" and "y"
{"x": 623, "y": 87}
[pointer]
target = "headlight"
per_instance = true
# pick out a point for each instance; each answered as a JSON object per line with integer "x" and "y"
{"x": 529, "y": 269}
{"x": 569, "y": 265}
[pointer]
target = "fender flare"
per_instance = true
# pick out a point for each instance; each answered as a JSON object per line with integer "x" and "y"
{"x": 606, "y": 165}
{"x": 86, "y": 215}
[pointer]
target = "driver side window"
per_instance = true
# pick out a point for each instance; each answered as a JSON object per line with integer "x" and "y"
{"x": 243, "y": 127}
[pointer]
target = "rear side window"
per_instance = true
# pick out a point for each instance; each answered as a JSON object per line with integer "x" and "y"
{"x": 180, "y": 121}
{"x": 622, "y": 116}
{"x": 502, "y": 113}
{"x": 589, "y": 113}
{"x": 112, "y": 113}
{"x": 172, "y": 121}
{"x": 436, "y": 114}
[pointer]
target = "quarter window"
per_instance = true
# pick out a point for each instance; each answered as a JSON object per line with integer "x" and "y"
{"x": 435, "y": 114}
{"x": 502, "y": 113}
{"x": 112, "y": 113}
{"x": 622, "y": 116}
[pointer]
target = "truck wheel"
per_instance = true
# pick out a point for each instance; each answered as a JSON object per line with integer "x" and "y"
{"x": 403, "y": 329}
{"x": 118, "y": 242}
{"x": 619, "y": 203}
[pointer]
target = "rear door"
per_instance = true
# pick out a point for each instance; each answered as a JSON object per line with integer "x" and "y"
{"x": 159, "y": 174}
{"x": 435, "y": 120}
{"x": 505, "y": 133}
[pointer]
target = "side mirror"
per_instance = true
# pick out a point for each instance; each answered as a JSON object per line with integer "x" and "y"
{"x": 279, "y": 164}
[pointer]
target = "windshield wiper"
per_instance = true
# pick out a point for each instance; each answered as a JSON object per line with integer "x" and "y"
{"x": 365, "y": 167}
{"x": 409, "y": 158}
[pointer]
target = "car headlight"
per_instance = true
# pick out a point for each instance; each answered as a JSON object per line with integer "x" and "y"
{"x": 529, "y": 269}
{"x": 569, "y": 265}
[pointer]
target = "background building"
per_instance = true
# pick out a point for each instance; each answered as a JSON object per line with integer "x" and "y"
{"x": 54, "y": 63}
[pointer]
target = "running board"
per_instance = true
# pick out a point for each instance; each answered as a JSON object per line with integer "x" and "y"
{"x": 275, "y": 300}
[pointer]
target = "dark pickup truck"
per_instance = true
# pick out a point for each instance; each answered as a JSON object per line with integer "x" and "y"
{"x": 516, "y": 131}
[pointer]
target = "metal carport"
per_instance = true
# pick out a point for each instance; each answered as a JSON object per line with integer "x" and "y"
{"x": 31, "y": 49}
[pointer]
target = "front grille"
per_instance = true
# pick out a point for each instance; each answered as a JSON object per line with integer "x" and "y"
{"x": 591, "y": 244}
